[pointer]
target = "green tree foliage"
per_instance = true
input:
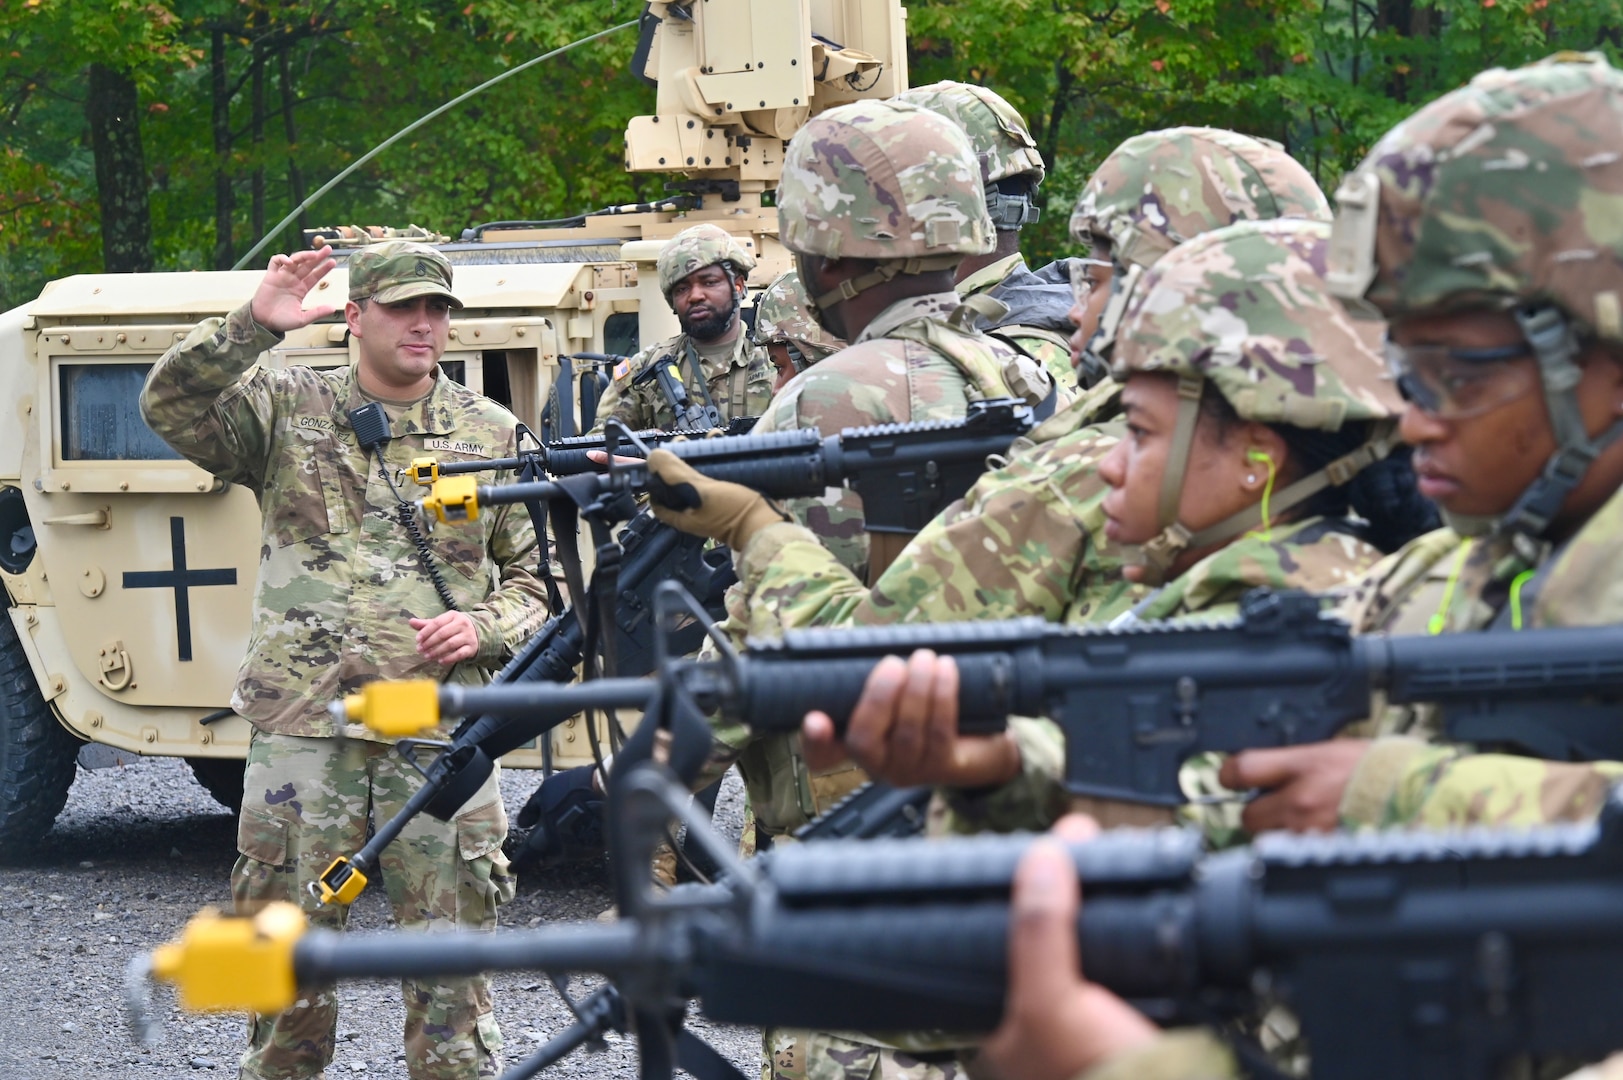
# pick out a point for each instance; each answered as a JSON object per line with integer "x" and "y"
{"x": 1325, "y": 77}
{"x": 247, "y": 105}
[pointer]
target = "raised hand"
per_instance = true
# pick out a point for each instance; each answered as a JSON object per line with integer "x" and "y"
{"x": 278, "y": 303}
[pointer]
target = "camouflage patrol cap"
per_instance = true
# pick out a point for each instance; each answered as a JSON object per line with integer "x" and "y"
{"x": 399, "y": 270}
{"x": 781, "y": 314}
{"x": 1247, "y": 308}
{"x": 883, "y": 180}
{"x": 1504, "y": 192}
{"x": 695, "y": 248}
{"x": 997, "y": 132}
{"x": 1161, "y": 188}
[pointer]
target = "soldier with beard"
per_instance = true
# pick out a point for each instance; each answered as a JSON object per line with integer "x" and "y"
{"x": 719, "y": 373}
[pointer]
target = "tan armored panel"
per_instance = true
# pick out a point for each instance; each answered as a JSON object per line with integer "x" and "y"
{"x": 737, "y": 79}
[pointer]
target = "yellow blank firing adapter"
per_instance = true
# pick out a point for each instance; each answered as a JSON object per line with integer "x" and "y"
{"x": 425, "y": 471}
{"x": 228, "y": 965}
{"x": 454, "y": 499}
{"x": 398, "y": 709}
{"x": 340, "y": 883}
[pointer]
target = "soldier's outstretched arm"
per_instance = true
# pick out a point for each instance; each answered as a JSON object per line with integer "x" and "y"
{"x": 195, "y": 397}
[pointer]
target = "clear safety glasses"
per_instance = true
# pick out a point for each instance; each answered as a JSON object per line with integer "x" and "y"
{"x": 1454, "y": 384}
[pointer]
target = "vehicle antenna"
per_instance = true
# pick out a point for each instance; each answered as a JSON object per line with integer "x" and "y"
{"x": 408, "y": 129}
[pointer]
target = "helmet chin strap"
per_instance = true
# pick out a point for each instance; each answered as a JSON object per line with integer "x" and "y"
{"x": 886, "y": 271}
{"x": 1556, "y": 347}
{"x": 1156, "y": 555}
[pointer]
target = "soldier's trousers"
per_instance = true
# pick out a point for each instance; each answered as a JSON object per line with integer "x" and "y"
{"x": 306, "y": 802}
{"x": 820, "y": 1055}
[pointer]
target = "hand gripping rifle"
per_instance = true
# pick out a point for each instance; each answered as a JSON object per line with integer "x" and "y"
{"x": 905, "y": 473}
{"x": 1405, "y": 955}
{"x": 1134, "y": 702}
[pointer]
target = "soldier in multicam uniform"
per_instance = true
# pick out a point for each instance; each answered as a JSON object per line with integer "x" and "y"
{"x": 1288, "y": 396}
{"x": 786, "y": 327}
{"x": 719, "y": 372}
{"x": 1023, "y": 541}
{"x": 339, "y": 582}
{"x": 880, "y": 202}
{"x": 1480, "y": 228}
{"x": 1036, "y": 320}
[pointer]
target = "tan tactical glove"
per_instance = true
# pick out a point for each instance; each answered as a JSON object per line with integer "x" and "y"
{"x": 686, "y": 499}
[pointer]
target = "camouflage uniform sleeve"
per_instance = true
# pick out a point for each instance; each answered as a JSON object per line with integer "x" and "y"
{"x": 1019, "y": 543}
{"x": 1193, "y": 1054}
{"x": 517, "y": 606}
{"x": 197, "y": 401}
{"x": 1033, "y": 800}
{"x": 1408, "y": 782}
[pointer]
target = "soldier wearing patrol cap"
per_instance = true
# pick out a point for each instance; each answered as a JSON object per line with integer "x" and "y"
{"x": 709, "y": 373}
{"x": 343, "y": 597}
{"x": 1035, "y": 304}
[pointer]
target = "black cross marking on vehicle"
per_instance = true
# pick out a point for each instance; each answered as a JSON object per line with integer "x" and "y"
{"x": 181, "y": 580}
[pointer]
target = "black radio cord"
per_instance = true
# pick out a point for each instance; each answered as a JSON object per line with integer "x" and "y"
{"x": 425, "y": 555}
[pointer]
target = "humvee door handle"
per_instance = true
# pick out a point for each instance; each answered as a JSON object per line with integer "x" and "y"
{"x": 96, "y": 519}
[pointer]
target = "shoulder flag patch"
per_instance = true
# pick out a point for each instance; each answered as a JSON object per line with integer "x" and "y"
{"x": 622, "y": 369}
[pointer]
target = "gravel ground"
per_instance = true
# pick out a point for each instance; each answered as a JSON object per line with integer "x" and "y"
{"x": 138, "y": 850}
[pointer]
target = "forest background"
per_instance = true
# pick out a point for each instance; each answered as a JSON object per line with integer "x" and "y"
{"x": 170, "y": 134}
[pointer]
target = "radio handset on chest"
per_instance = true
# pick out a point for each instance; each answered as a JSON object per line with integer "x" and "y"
{"x": 371, "y": 426}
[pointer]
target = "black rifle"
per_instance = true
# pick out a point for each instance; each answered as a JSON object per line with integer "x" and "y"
{"x": 1405, "y": 955}
{"x": 652, "y": 553}
{"x": 876, "y": 809}
{"x": 1136, "y": 702}
{"x": 569, "y": 457}
{"x": 905, "y": 473}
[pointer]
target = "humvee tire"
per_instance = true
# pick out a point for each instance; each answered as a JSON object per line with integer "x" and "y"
{"x": 38, "y": 757}
{"x": 221, "y": 778}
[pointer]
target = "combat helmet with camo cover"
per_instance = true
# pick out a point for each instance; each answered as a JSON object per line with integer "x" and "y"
{"x": 1503, "y": 195}
{"x": 886, "y": 181}
{"x": 781, "y": 316}
{"x": 1246, "y": 309}
{"x": 1161, "y": 188}
{"x": 1002, "y": 143}
{"x": 695, "y": 248}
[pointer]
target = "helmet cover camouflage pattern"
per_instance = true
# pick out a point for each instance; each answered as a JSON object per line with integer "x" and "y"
{"x": 882, "y": 180}
{"x": 1161, "y": 188}
{"x": 1504, "y": 192}
{"x": 398, "y": 270}
{"x": 998, "y": 133}
{"x": 697, "y": 247}
{"x": 781, "y": 314}
{"x": 1247, "y": 308}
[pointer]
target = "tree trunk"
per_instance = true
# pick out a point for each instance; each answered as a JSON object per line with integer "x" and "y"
{"x": 225, "y": 199}
{"x": 112, "y": 111}
{"x": 295, "y": 177}
{"x": 256, "y": 124}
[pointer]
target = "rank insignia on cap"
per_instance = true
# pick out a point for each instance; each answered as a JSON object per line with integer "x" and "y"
{"x": 622, "y": 369}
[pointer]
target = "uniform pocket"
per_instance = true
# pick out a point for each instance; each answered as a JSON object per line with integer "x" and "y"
{"x": 262, "y": 837}
{"x": 303, "y": 498}
{"x": 484, "y": 879}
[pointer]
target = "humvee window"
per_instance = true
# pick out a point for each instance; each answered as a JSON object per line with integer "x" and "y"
{"x": 101, "y": 415}
{"x": 620, "y": 334}
{"x": 455, "y": 370}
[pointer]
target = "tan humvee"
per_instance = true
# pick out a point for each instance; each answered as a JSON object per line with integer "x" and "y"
{"x": 129, "y": 572}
